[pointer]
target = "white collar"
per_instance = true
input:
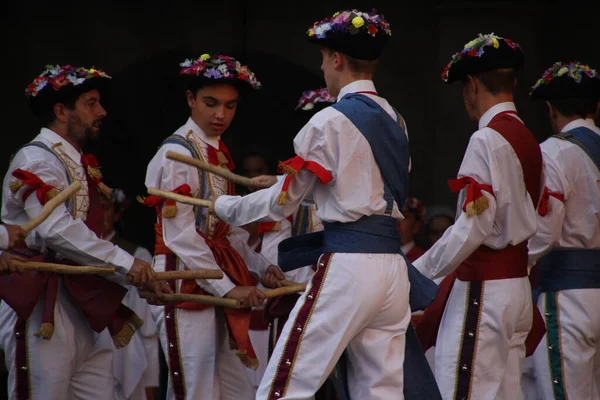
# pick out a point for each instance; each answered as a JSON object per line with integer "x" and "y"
{"x": 54, "y": 138}
{"x": 487, "y": 117}
{"x": 578, "y": 123}
{"x": 199, "y": 134}
{"x": 357, "y": 86}
{"x": 407, "y": 247}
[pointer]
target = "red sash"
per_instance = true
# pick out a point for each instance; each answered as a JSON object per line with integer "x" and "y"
{"x": 487, "y": 264}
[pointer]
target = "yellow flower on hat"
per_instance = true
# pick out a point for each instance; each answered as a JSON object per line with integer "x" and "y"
{"x": 336, "y": 14}
{"x": 495, "y": 43}
{"x": 358, "y": 22}
{"x": 562, "y": 71}
{"x": 311, "y": 32}
{"x": 204, "y": 57}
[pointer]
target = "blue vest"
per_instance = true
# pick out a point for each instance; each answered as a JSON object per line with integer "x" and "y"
{"x": 564, "y": 269}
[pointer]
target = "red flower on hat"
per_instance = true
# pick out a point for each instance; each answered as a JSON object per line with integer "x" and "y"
{"x": 59, "y": 81}
{"x": 372, "y": 29}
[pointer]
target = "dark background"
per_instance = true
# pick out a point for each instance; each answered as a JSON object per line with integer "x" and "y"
{"x": 141, "y": 44}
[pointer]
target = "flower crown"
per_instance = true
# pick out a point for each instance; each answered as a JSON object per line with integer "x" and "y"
{"x": 476, "y": 48}
{"x": 59, "y": 76}
{"x": 219, "y": 67}
{"x": 352, "y": 22}
{"x": 574, "y": 70}
{"x": 311, "y": 97}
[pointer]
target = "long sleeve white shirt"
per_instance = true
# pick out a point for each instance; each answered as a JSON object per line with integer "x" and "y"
{"x": 179, "y": 233}
{"x": 64, "y": 231}
{"x": 332, "y": 141}
{"x": 574, "y": 223}
{"x": 511, "y": 217}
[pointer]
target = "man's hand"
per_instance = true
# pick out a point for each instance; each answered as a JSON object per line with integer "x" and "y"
{"x": 140, "y": 273}
{"x": 16, "y": 235}
{"x": 6, "y": 266}
{"x": 273, "y": 277}
{"x": 262, "y": 182}
{"x": 248, "y": 296}
{"x": 159, "y": 288}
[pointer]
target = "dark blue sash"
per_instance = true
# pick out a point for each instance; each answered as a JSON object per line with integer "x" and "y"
{"x": 570, "y": 269}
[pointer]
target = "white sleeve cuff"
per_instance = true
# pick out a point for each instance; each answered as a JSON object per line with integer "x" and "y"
{"x": 4, "y": 239}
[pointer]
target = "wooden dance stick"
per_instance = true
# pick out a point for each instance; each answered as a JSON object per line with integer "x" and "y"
{"x": 289, "y": 283}
{"x": 51, "y": 206}
{"x": 282, "y": 291}
{"x": 63, "y": 269}
{"x": 194, "y": 298}
{"x": 220, "y": 171}
{"x": 180, "y": 198}
{"x": 189, "y": 274}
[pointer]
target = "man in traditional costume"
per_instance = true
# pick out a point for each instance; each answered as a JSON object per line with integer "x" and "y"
{"x": 567, "y": 244}
{"x": 53, "y": 325}
{"x": 207, "y": 349}
{"x": 358, "y": 298}
{"x": 484, "y": 310}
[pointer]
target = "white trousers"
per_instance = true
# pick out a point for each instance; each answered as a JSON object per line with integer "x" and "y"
{"x": 567, "y": 361}
{"x": 75, "y": 364}
{"x": 357, "y": 302}
{"x": 480, "y": 347}
{"x": 210, "y": 369}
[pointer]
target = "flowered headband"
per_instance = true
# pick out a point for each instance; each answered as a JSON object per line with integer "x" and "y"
{"x": 476, "y": 48}
{"x": 574, "y": 70}
{"x": 219, "y": 67}
{"x": 60, "y": 76}
{"x": 311, "y": 97}
{"x": 352, "y": 22}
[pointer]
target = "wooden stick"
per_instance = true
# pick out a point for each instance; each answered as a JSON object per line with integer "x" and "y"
{"x": 282, "y": 291}
{"x": 194, "y": 298}
{"x": 63, "y": 269}
{"x": 220, "y": 171}
{"x": 289, "y": 283}
{"x": 191, "y": 274}
{"x": 51, "y": 206}
{"x": 180, "y": 198}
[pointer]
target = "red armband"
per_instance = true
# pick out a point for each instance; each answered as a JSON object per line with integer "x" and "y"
{"x": 545, "y": 207}
{"x": 292, "y": 166}
{"x": 475, "y": 201}
{"x": 170, "y": 210}
{"x": 43, "y": 191}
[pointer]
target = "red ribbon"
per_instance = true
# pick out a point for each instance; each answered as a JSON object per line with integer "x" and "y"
{"x": 213, "y": 155}
{"x": 474, "y": 189}
{"x": 41, "y": 189}
{"x": 295, "y": 164}
{"x": 157, "y": 201}
{"x": 544, "y": 207}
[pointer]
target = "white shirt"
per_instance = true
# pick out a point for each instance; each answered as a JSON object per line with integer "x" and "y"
{"x": 63, "y": 233}
{"x": 4, "y": 239}
{"x": 408, "y": 247}
{"x": 179, "y": 233}
{"x": 333, "y": 142}
{"x": 574, "y": 224}
{"x": 511, "y": 217}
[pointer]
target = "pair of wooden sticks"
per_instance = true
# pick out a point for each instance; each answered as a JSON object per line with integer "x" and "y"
{"x": 223, "y": 172}
{"x": 223, "y": 302}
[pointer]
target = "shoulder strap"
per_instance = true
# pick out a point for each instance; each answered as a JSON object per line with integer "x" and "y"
{"x": 587, "y": 140}
{"x": 181, "y": 141}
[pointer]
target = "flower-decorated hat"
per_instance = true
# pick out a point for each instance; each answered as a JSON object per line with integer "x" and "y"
{"x": 414, "y": 206}
{"x": 60, "y": 83}
{"x": 567, "y": 80}
{"x": 218, "y": 68}
{"x": 355, "y": 33}
{"x": 311, "y": 98}
{"x": 484, "y": 53}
